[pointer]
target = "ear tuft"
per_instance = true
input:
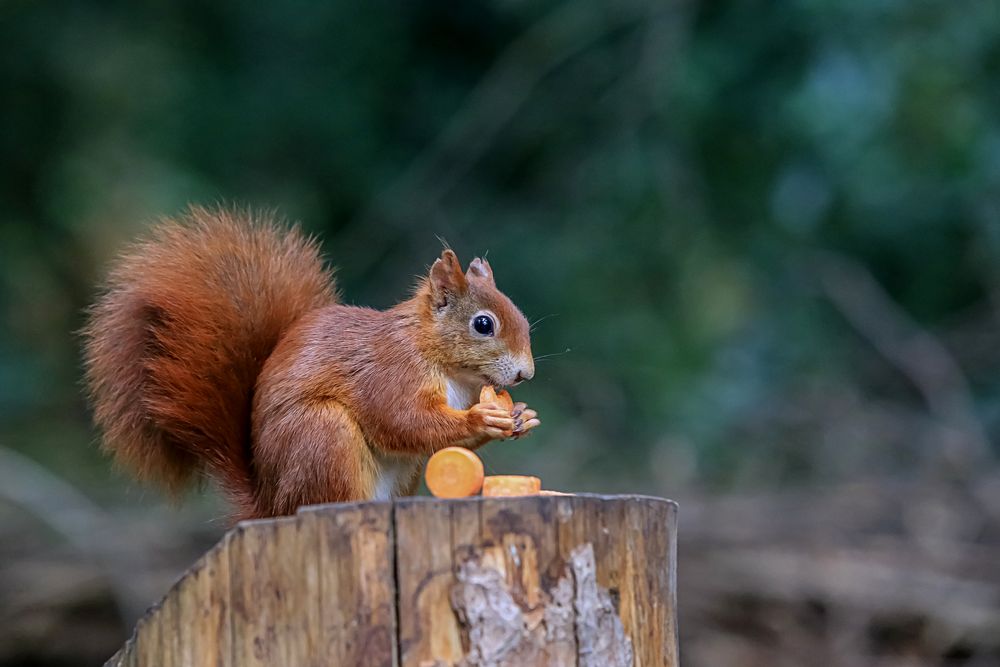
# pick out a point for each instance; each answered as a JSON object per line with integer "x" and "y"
{"x": 446, "y": 278}
{"x": 480, "y": 268}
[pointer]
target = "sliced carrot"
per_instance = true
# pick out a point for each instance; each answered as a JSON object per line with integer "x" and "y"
{"x": 489, "y": 394}
{"x": 504, "y": 399}
{"x": 454, "y": 472}
{"x": 511, "y": 485}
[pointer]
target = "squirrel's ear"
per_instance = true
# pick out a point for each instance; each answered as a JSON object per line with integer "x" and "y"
{"x": 446, "y": 279}
{"x": 480, "y": 268}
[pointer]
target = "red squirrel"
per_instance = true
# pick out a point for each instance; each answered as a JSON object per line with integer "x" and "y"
{"x": 219, "y": 347}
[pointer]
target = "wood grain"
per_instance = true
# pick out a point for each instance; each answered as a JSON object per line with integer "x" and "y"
{"x": 428, "y": 630}
{"x": 354, "y": 591}
{"x": 419, "y": 582}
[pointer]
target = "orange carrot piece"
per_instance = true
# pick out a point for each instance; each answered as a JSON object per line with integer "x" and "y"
{"x": 454, "y": 472}
{"x": 504, "y": 399}
{"x": 511, "y": 485}
{"x": 489, "y": 395}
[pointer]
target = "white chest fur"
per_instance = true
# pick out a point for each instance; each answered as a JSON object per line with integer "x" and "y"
{"x": 395, "y": 473}
{"x": 461, "y": 395}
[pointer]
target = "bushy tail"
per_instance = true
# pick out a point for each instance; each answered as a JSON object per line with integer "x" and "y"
{"x": 174, "y": 346}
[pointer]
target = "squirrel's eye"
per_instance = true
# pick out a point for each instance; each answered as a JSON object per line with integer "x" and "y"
{"x": 483, "y": 324}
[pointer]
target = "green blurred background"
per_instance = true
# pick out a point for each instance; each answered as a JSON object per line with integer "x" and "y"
{"x": 764, "y": 239}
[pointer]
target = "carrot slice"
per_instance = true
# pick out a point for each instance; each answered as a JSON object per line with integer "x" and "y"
{"x": 454, "y": 472}
{"x": 511, "y": 485}
{"x": 504, "y": 399}
{"x": 489, "y": 394}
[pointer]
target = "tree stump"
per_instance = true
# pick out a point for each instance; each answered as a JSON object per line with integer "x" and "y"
{"x": 418, "y": 582}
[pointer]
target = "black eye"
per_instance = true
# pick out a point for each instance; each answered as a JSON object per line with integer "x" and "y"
{"x": 483, "y": 324}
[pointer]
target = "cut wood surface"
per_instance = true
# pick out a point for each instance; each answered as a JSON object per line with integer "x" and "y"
{"x": 418, "y": 582}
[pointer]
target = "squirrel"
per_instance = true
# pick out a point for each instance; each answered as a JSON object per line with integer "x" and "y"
{"x": 219, "y": 346}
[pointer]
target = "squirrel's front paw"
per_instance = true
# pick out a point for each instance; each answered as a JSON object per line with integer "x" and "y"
{"x": 492, "y": 420}
{"x": 525, "y": 419}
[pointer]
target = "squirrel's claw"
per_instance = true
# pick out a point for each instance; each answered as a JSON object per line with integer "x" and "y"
{"x": 525, "y": 420}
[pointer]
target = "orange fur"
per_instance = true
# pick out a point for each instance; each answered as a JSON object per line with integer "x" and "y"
{"x": 219, "y": 346}
{"x": 174, "y": 346}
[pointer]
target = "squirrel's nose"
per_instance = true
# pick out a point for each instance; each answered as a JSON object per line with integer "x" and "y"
{"x": 525, "y": 374}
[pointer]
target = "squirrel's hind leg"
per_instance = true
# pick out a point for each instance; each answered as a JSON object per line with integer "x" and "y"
{"x": 314, "y": 453}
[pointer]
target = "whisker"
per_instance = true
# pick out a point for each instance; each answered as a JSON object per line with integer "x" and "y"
{"x": 531, "y": 327}
{"x": 542, "y": 357}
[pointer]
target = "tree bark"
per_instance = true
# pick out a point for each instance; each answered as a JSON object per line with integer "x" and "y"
{"x": 481, "y": 582}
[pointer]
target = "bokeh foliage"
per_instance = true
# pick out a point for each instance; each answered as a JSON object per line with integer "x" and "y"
{"x": 681, "y": 190}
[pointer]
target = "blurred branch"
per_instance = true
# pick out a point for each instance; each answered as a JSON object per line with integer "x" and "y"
{"x": 71, "y": 514}
{"x": 916, "y": 353}
{"x": 865, "y": 582}
{"x": 663, "y": 37}
{"x": 494, "y": 101}
{"x": 756, "y": 565}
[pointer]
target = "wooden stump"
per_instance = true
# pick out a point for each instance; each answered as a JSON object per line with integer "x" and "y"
{"x": 482, "y": 582}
